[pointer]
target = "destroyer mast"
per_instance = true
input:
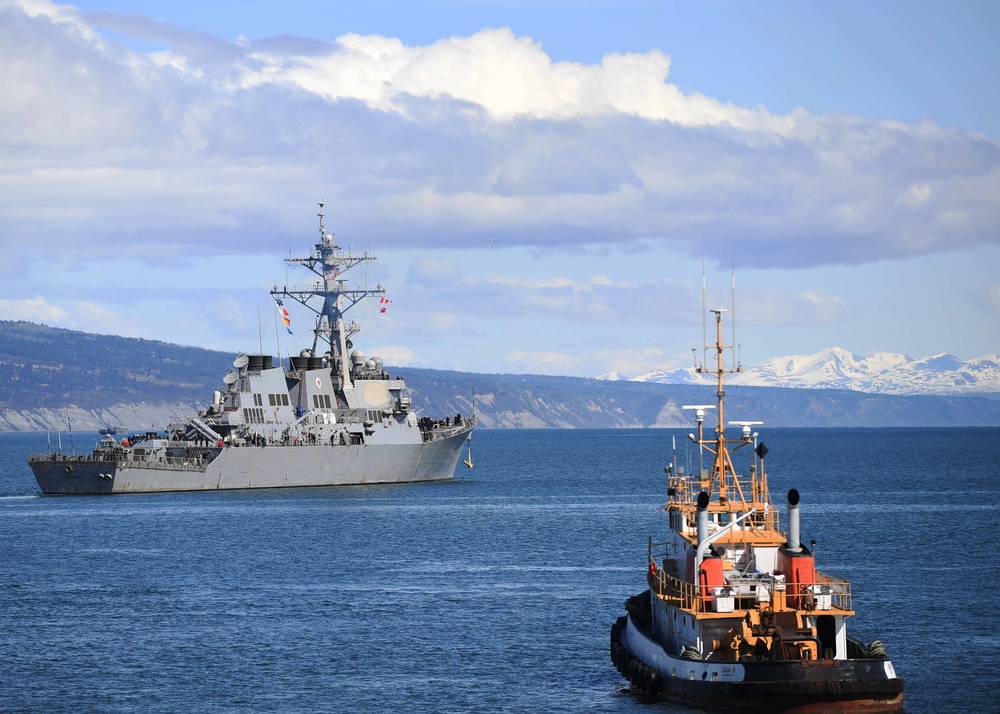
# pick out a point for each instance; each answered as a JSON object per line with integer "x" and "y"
{"x": 330, "y": 263}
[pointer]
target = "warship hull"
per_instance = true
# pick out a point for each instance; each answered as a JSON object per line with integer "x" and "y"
{"x": 252, "y": 467}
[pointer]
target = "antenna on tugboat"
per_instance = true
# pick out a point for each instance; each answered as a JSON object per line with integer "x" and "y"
{"x": 733, "y": 311}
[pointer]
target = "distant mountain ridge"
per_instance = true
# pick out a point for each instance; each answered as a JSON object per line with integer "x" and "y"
{"x": 836, "y": 368}
{"x": 54, "y": 379}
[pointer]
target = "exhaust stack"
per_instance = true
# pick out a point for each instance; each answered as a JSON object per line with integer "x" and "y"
{"x": 702, "y": 522}
{"x": 793, "y": 544}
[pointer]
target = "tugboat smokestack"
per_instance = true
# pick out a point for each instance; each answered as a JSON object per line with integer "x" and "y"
{"x": 793, "y": 544}
{"x": 703, "y": 499}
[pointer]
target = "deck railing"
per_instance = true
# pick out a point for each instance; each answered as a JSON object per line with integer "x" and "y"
{"x": 751, "y": 591}
{"x": 441, "y": 431}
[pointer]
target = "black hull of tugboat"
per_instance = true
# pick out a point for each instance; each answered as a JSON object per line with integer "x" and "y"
{"x": 802, "y": 687}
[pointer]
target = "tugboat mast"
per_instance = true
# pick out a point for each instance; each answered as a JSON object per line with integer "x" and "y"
{"x": 722, "y": 464}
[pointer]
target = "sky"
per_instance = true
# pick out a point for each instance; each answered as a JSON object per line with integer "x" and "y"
{"x": 543, "y": 183}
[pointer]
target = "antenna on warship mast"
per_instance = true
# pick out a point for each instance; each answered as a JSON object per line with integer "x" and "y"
{"x": 277, "y": 337}
{"x": 260, "y": 331}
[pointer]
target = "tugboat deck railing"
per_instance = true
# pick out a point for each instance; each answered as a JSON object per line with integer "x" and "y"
{"x": 827, "y": 594}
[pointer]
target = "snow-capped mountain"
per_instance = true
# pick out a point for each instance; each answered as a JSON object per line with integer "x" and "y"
{"x": 835, "y": 368}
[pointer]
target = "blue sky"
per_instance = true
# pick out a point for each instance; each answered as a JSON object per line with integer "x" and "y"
{"x": 542, "y": 182}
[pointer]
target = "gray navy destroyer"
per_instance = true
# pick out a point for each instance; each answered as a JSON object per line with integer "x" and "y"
{"x": 329, "y": 416}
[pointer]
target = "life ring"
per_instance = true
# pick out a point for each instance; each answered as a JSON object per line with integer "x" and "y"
{"x": 652, "y": 570}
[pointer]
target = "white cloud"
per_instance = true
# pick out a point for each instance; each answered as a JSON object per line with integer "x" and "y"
{"x": 600, "y": 300}
{"x": 212, "y": 146}
{"x": 435, "y": 271}
{"x": 440, "y": 322}
{"x": 793, "y": 308}
{"x": 629, "y": 361}
{"x": 78, "y": 315}
{"x": 993, "y": 297}
{"x": 395, "y": 354}
{"x": 507, "y": 76}
{"x": 209, "y": 148}
{"x": 34, "y": 310}
{"x": 544, "y": 362}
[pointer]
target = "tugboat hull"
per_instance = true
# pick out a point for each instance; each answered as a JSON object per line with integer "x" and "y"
{"x": 802, "y": 687}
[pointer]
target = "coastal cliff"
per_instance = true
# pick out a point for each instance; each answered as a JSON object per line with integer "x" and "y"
{"x": 52, "y": 379}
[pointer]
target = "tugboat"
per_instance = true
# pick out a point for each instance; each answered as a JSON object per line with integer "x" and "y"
{"x": 330, "y": 415}
{"x": 736, "y": 616}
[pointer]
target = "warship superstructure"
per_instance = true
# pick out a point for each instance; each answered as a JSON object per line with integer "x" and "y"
{"x": 736, "y": 616}
{"x": 329, "y": 416}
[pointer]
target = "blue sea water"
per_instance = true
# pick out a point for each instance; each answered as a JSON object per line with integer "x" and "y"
{"x": 495, "y": 592}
